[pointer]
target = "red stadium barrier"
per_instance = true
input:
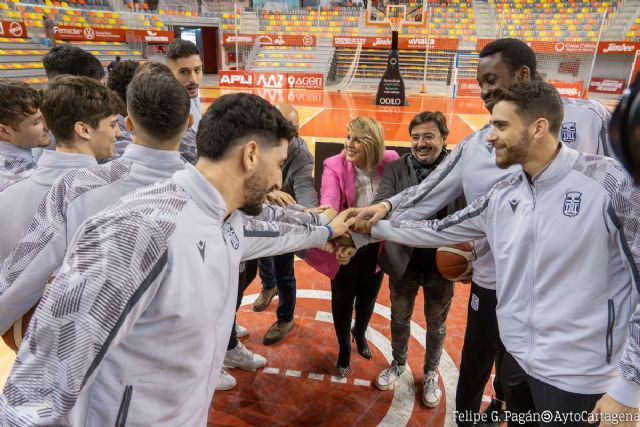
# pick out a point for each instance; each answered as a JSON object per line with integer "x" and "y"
{"x": 620, "y": 48}
{"x": 63, "y": 32}
{"x": 13, "y": 29}
{"x": 468, "y": 87}
{"x": 271, "y": 80}
{"x": 270, "y": 39}
{"x": 403, "y": 42}
{"x": 568, "y": 89}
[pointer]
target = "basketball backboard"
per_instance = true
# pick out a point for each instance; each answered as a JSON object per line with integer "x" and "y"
{"x": 378, "y": 11}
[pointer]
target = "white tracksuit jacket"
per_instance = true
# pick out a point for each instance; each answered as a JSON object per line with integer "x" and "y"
{"x": 20, "y": 198}
{"x": 15, "y": 161}
{"x": 567, "y": 249}
{"x": 470, "y": 170}
{"x": 136, "y": 324}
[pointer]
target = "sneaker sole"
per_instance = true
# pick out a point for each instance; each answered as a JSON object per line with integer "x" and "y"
{"x": 242, "y": 368}
{"x": 430, "y": 405}
{"x": 383, "y": 387}
{"x": 225, "y": 388}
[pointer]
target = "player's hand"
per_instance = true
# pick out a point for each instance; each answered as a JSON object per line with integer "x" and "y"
{"x": 341, "y": 223}
{"x": 329, "y": 247}
{"x": 610, "y": 412}
{"x": 344, "y": 240}
{"x": 369, "y": 216}
{"x": 323, "y": 209}
{"x": 344, "y": 254}
{"x": 280, "y": 198}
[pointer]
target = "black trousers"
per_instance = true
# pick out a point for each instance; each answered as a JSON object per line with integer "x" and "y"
{"x": 245, "y": 277}
{"x": 355, "y": 282}
{"x": 524, "y": 393}
{"x": 482, "y": 346}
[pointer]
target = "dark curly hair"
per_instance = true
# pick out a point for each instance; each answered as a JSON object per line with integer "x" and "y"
{"x": 120, "y": 77}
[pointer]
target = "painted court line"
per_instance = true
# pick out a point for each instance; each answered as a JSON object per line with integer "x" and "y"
{"x": 335, "y": 379}
{"x": 273, "y": 371}
{"x": 291, "y": 373}
{"x": 364, "y": 383}
{"x": 317, "y": 377}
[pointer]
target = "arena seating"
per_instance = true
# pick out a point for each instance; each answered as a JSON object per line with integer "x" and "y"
{"x": 634, "y": 32}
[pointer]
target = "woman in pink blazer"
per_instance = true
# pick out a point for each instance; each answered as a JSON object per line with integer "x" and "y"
{"x": 351, "y": 179}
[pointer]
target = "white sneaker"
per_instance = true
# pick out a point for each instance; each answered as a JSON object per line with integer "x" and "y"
{"x": 243, "y": 358}
{"x": 431, "y": 393}
{"x": 225, "y": 382}
{"x": 387, "y": 377}
{"x": 241, "y": 331}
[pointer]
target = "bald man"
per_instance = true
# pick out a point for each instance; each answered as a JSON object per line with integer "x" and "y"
{"x": 276, "y": 272}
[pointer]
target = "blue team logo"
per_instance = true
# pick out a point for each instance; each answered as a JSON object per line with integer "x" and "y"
{"x": 568, "y": 132}
{"x": 231, "y": 236}
{"x": 572, "y": 201}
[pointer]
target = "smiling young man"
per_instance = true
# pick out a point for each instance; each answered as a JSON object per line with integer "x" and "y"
{"x": 183, "y": 58}
{"x": 571, "y": 329}
{"x": 134, "y": 329}
{"x": 82, "y": 114}
{"x": 471, "y": 171}
{"x": 22, "y": 128}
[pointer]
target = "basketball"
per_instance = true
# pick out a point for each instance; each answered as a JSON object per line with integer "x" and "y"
{"x": 454, "y": 262}
{"x": 17, "y": 330}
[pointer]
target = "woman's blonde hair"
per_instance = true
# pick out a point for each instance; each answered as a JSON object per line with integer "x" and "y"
{"x": 369, "y": 133}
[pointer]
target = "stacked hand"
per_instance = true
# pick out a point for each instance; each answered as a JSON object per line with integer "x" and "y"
{"x": 280, "y": 198}
{"x": 323, "y": 209}
{"x": 369, "y": 216}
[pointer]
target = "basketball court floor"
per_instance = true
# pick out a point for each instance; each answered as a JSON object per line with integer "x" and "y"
{"x": 297, "y": 387}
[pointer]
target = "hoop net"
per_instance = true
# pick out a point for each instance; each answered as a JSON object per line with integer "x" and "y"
{"x": 395, "y": 16}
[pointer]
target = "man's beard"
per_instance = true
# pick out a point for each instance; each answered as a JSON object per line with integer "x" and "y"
{"x": 516, "y": 154}
{"x": 255, "y": 192}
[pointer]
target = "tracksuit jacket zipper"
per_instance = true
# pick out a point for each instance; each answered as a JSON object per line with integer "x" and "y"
{"x": 533, "y": 272}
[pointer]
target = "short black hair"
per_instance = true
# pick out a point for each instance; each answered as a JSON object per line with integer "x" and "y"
{"x": 180, "y": 48}
{"x": 237, "y": 118}
{"x": 535, "y": 99}
{"x": 69, "y": 59}
{"x": 431, "y": 116}
{"x": 158, "y": 102}
{"x": 120, "y": 77}
{"x": 117, "y": 57}
{"x": 515, "y": 54}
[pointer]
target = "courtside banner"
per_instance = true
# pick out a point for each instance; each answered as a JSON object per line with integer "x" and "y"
{"x": 605, "y": 85}
{"x": 270, "y": 39}
{"x": 235, "y": 78}
{"x": 568, "y": 89}
{"x": 271, "y": 80}
{"x": 619, "y": 48}
{"x": 13, "y": 29}
{"x": 468, "y": 87}
{"x": 539, "y": 46}
{"x": 419, "y": 43}
{"x": 63, "y": 32}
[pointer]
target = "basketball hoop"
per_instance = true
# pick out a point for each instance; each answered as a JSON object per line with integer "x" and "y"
{"x": 395, "y": 16}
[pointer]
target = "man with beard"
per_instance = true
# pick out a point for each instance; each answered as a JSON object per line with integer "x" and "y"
{"x": 408, "y": 268}
{"x": 471, "y": 171}
{"x": 571, "y": 329}
{"x": 135, "y": 326}
{"x": 183, "y": 58}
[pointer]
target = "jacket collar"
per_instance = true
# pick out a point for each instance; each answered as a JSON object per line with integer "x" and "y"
{"x": 557, "y": 169}
{"x": 8, "y": 149}
{"x": 51, "y": 159}
{"x": 153, "y": 158}
{"x": 204, "y": 195}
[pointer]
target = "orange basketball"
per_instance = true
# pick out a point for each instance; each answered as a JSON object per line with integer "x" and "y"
{"x": 18, "y": 329}
{"x": 454, "y": 262}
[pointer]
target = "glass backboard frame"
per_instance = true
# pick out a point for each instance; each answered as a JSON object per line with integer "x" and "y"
{"x": 414, "y": 12}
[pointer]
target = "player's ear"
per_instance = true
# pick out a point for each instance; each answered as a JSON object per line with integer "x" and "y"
{"x": 524, "y": 74}
{"x": 128, "y": 123}
{"x": 540, "y": 127}
{"x": 250, "y": 155}
{"x": 5, "y": 132}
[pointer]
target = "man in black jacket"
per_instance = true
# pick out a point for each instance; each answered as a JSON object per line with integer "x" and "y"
{"x": 409, "y": 268}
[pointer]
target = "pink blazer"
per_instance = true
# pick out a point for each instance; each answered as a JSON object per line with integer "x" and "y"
{"x": 338, "y": 189}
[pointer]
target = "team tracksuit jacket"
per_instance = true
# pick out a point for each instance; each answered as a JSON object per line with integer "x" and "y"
{"x": 136, "y": 324}
{"x": 567, "y": 249}
{"x": 470, "y": 171}
{"x": 14, "y": 161}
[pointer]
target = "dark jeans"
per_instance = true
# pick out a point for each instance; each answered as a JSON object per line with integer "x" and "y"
{"x": 524, "y": 394}
{"x": 482, "y": 347}
{"x": 278, "y": 271}
{"x": 246, "y": 276}
{"x": 438, "y": 293}
{"x": 359, "y": 282}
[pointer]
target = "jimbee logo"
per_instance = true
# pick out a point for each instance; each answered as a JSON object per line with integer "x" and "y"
{"x": 568, "y": 132}
{"x": 572, "y": 201}
{"x": 230, "y": 236}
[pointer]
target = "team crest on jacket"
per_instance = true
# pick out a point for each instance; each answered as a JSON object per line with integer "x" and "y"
{"x": 568, "y": 132}
{"x": 231, "y": 235}
{"x": 572, "y": 201}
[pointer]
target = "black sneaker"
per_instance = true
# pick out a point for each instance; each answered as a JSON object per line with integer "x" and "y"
{"x": 493, "y": 415}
